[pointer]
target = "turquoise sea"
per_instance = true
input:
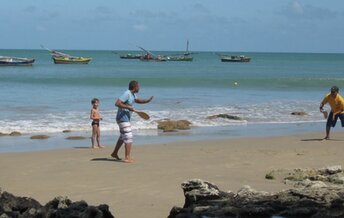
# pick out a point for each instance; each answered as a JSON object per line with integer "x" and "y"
{"x": 48, "y": 98}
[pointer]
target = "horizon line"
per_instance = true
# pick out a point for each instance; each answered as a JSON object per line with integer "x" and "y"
{"x": 200, "y": 51}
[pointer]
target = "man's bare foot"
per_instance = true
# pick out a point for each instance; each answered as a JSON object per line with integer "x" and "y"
{"x": 94, "y": 147}
{"x": 116, "y": 156}
{"x": 327, "y": 138}
{"x": 101, "y": 146}
{"x": 128, "y": 161}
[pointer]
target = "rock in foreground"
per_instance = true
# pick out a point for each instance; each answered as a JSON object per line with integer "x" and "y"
{"x": 60, "y": 207}
{"x": 203, "y": 199}
{"x": 330, "y": 176}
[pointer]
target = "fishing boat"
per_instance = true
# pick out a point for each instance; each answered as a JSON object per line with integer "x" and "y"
{"x": 149, "y": 56}
{"x": 186, "y": 56}
{"x": 70, "y": 60}
{"x": 180, "y": 58}
{"x": 15, "y": 61}
{"x": 130, "y": 56}
{"x": 62, "y": 58}
{"x": 235, "y": 58}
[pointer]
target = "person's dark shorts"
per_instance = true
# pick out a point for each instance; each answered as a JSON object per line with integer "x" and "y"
{"x": 331, "y": 122}
{"x": 95, "y": 123}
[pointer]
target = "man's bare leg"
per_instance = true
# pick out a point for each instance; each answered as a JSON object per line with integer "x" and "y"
{"x": 127, "y": 153}
{"x": 118, "y": 146}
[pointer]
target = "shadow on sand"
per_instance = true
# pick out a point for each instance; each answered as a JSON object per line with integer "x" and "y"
{"x": 310, "y": 140}
{"x": 107, "y": 159}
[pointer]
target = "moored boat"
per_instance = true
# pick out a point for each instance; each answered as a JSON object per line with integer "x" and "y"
{"x": 186, "y": 56}
{"x": 235, "y": 58}
{"x": 15, "y": 61}
{"x": 130, "y": 56}
{"x": 70, "y": 60}
{"x": 62, "y": 58}
{"x": 149, "y": 56}
{"x": 180, "y": 58}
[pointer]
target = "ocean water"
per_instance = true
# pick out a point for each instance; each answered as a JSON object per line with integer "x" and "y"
{"x": 48, "y": 98}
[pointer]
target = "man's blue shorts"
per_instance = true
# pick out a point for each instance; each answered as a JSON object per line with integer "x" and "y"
{"x": 331, "y": 122}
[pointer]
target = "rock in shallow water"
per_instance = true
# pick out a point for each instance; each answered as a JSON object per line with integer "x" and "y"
{"x": 299, "y": 113}
{"x": 41, "y": 137}
{"x": 76, "y": 138}
{"x": 173, "y": 125}
{"x": 225, "y": 116}
{"x": 15, "y": 133}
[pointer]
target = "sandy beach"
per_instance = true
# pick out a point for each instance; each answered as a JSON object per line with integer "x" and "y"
{"x": 151, "y": 186}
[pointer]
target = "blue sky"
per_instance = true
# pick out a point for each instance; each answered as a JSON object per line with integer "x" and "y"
{"x": 210, "y": 25}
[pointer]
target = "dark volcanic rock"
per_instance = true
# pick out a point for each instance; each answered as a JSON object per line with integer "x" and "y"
{"x": 173, "y": 125}
{"x": 13, "y": 206}
{"x": 299, "y": 113}
{"x": 15, "y": 133}
{"x": 203, "y": 199}
{"x": 39, "y": 137}
{"x": 225, "y": 116}
{"x": 60, "y": 207}
{"x": 76, "y": 138}
{"x": 197, "y": 190}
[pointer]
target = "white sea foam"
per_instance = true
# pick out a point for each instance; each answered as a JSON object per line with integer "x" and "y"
{"x": 275, "y": 112}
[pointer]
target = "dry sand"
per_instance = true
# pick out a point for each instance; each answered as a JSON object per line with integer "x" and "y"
{"x": 150, "y": 187}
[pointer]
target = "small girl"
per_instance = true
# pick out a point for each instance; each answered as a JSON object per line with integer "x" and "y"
{"x": 95, "y": 117}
